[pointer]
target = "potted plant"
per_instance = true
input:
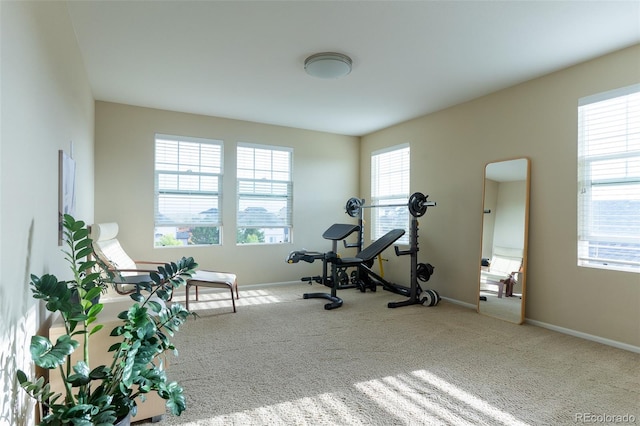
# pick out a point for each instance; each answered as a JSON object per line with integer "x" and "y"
{"x": 105, "y": 394}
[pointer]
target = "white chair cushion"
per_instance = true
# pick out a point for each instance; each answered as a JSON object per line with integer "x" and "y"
{"x": 505, "y": 265}
{"x": 104, "y": 231}
{"x": 205, "y": 277}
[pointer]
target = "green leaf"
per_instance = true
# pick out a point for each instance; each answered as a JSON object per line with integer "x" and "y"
{"x": 85, "y": 242}
{"x": 127, "y": 368}
{"x": 151, "y": 379}
{"x": 77, "y": 316}
{"x": 155, "y": 306}
{"x": 90, "y": 278}
{"x": 38, "y": 390}
{"x": 80, "y": 414}
{"x": 176, "y": 401}
{"x": 82, "y": 374}
{"x": 117, "y": 331}
{"x": 49, "y": 356}
{"x": 81, "y": 367}
{"x": 100, "y": 372}
{"x": 95, "y": 329}
{"x": 146, "y": 285}
{"x": 156, "y": 278}
{"x": 71, "y": 224}
{"x": 84, "y": 252}
{"x": 80, "y": 232}
{"x": 162, "y": 271}
{"x": 54, "y": 292}
{"x": 163, "y": 294}
{"x": 94, "y": 310}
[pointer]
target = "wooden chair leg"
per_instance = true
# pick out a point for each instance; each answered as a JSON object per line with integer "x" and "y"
{"x": 232, "y": 299}
{"x": 187, "y": 296}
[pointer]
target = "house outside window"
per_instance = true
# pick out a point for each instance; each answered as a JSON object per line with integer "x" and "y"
{"x": 609, "y": 180}
{"x": 265, "y": 194}
{"x": 188, "y": 177}
{"x": 390, "y": 185}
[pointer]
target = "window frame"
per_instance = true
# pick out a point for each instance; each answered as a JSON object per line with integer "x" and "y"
{"x": 273, "y": 179}
{"x": 598, "y": 248}
{"x": 179, "y": 169}
{"x": 380, "y": 197}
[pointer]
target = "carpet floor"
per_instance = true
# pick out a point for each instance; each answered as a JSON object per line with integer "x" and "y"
{"x": 284, "y": 360}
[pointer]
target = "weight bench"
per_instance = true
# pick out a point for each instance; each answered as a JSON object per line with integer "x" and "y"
{"x": 364, "y": 260}
{"x": 335, "y": 233}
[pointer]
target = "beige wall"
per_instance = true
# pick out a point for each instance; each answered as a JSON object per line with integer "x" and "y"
{"x": 46, "y": 104}
{"x": 537, "y": 119}
{"x": 489, "y": 219}
{"x": 510, "y": 215}
{"x": 504, "y": 226}
{"x": 325, "y": 174}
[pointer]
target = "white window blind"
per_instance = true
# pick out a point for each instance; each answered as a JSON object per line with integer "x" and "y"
{"x": 265, "y": 193}
{"x": 188, "y": 174}
{"x": 390, "y": 185}
{"x": 609, "y": 180}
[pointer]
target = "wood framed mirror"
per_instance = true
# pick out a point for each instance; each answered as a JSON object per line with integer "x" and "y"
{"x": 502, "y": 276}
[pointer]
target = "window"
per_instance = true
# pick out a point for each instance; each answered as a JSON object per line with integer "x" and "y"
{"x": 390, "y": 185}
{"x": 188, "y": 174}
{"x": 609, "y": 180}
{"x": 264, "y": 194}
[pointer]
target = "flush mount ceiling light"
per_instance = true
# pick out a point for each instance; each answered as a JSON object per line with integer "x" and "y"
{"x": 328, "y": 65}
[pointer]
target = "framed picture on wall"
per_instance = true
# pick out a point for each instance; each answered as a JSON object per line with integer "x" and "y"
{"x": 66, "y": 190}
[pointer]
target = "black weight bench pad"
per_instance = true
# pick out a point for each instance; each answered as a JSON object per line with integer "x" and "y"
{"x": 336, "y": 232}
{"x": 339, "y": 231}
{"x": 377, "y": 247}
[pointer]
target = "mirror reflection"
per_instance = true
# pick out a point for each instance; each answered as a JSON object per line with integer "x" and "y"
{"x": 502, "y": 277}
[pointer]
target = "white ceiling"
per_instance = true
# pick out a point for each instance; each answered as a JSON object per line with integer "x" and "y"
{"x": 244, "y": 60}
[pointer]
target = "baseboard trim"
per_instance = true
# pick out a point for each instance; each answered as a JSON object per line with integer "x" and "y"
{"x": 250, "y": 286}
{"x": 461, "y": 303}
{"x": 563, "y": 330}
{"x": 586, "y": 336}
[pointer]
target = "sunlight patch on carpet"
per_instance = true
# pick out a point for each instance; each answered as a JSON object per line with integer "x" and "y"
{"x": 472, "y": 401}
{"x": 220, "y": 298}
{"x": 259, "y": 297}
{"x": 423, "y": 395}
{"x": 322, "y": 409}
{"x": 419, "y": 397}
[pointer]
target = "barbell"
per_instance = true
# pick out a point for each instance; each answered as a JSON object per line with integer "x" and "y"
{"x": 417, "y": 204}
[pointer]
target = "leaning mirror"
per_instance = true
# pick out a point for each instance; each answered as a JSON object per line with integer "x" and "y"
{"x": 505, "y": 217}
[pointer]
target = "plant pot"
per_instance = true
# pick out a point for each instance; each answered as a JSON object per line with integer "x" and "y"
{"x": 124, "y": 422}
